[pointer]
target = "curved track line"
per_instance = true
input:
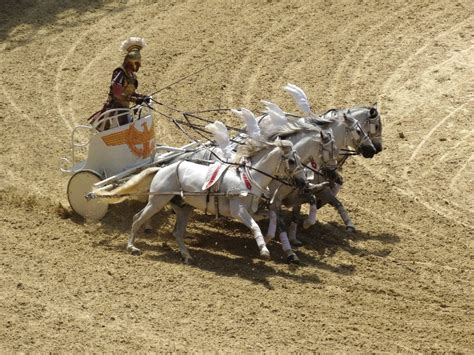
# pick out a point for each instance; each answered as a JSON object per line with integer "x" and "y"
{"x": 410, "y": 193}
{"x": 256, "y": 45}
{"x": 458, "y": 174}
{"x": 454, "y": 147}
{"x": 400, "y": 25}
{"x": 367, "y": 34}
{"x": 251, "y": 83}
{"x": 59, "y": 69}
{"x": 426, "y": 137}
{"x": 25, "y": 116}
{"x": 438, "y": 65}
{"x": 433, "y": 129}
{"x": 98, "y": 55}
{"x": 389, "y": 82}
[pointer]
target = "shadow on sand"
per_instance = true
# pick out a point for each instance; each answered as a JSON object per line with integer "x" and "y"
{"x": 226, "y": 248}
{"x": 21, "y": 20}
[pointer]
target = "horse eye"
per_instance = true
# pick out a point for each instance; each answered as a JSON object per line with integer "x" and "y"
{"x": 292, "y": 161}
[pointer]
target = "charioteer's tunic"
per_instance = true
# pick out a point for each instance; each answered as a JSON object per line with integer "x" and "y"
{"x": 122, "y": 89}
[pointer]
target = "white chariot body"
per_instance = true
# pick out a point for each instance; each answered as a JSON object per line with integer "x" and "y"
{"x": 113, "y": 155}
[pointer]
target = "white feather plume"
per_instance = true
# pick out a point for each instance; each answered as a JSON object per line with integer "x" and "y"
{"x": 132, "y": 42}
{"x": 251, "y": 124}
{"x": 221, "y": 135}
{"x": 275, "y": 120}
{"x": 299, "y": 97}
{"x": 277, "y": 115}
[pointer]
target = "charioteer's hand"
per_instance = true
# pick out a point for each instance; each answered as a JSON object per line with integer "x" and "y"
{"x": 140, "y": 99}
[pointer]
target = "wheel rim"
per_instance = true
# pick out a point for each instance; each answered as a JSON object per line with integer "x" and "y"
{"x": 80, "y": 184}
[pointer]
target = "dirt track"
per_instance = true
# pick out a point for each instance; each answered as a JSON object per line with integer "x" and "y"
{"x": 402, "y": 283}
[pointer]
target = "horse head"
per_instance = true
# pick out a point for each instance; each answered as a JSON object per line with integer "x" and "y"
{"x": 369, "y": 119}
{"x": 292, "y": 167}
{"x": 357, "y": 136}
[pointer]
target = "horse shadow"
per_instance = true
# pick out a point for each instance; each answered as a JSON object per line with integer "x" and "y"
{"x": 328, "y": 238}
{"x": 225, "y": 247}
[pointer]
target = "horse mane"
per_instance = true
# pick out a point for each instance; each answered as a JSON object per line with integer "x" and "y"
{"x": 289, "y": 128}
{"x": 250, "y": 148}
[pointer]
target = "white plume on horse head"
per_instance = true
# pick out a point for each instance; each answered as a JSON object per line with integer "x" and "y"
{"x": 299, "y": 97}
{"x": 277, "y": 119}
{"x": 276, "y": 113}
{"x": 221, "y": 135}
{"x": 253, "y": 130}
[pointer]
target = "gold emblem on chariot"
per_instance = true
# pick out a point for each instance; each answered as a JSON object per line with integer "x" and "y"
{"x": 141, "y": 143}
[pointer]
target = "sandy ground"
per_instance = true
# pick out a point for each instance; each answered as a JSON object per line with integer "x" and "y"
{"x": 402, "y": 283}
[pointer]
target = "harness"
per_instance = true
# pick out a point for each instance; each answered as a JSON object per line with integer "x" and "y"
{"x": 213, "y": 191}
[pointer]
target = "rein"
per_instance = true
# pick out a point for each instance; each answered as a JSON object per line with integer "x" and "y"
{"x": 177, "y": 123}
{"x": 187, "y": 76}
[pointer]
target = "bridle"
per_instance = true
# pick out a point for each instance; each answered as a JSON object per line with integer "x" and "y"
{"x": 357, "y": 133}
{"x": 288, "y": 178}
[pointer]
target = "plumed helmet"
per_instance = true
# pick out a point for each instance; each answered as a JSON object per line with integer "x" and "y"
{"x": 131, "y": 48}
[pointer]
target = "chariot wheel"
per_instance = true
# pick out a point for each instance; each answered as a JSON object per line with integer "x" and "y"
{"x": 79, "y": 185}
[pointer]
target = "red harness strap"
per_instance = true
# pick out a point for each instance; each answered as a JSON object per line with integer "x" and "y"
{"x": 246, "y": 181}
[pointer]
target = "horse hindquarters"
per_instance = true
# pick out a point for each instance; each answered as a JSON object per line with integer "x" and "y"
{"x": 164, "y": 181}
{"x": 154, "y": 205}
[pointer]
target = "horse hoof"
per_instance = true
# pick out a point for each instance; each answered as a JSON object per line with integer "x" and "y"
{"x": 296, "y": 242}
{"x": 350, "y": 229}
{"x": 265, "y": 254}
{"x": 134, "y": 251}
{"x": 188, "y": 260}
{"x": 293, "y": 259}
{"x": 308, "y": 224}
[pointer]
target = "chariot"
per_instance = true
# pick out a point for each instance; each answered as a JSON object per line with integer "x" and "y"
{"x": 113, "y": 156}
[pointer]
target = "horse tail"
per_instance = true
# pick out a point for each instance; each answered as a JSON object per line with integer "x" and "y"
{"x": 136, "y": 188}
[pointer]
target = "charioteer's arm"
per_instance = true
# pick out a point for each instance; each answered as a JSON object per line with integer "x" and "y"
{"x": 119, "y": 92}
{"x": 139, "y": 98}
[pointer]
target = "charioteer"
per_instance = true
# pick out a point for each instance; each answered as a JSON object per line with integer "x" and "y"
{"x": 124, "y": 83}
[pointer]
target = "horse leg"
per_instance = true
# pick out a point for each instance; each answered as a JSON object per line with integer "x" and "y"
{"x": 291, "y": 256}
{"x": 182, "y": 218}
{"x": 272, "y": 224}
{"x": 334, "y": 201}
{"x": 147, "y": 227}
{"x": 238, "y": 211}
{"x": 155, "y": 203}
{"x": 313, "y": 208}
{"x": 295, "y": 213}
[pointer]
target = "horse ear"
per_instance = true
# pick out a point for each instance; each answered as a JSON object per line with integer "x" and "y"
{"x": 323, "y": 136}
{"x": 373, "y": 111}
{"x": 285, "y": 145}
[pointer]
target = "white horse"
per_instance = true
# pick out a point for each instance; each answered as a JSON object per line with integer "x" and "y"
{"x": 347, "y": 133}
{"x": 237, "y": 190}
{"x": 310, "y": 142}
{"x": 363, "y": 135}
